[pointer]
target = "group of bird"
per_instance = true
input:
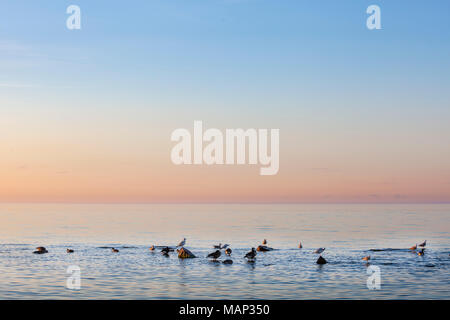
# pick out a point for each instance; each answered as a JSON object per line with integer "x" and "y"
{"x": 421, "y": 251}
{"x": 250, "y": 256}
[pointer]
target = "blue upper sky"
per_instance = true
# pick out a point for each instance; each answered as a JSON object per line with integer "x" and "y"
{"x": 227, "y": 48}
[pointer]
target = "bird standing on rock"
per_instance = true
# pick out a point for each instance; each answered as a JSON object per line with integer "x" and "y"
{"x": 251, "y": 255}
{"x": 182, "y": 243}
{"x": 216, "y": 254}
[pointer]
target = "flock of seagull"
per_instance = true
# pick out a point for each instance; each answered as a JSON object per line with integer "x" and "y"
{"x": 250, "y": 256}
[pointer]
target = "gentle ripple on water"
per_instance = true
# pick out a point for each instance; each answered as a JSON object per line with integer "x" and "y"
{"x": 137, "y": 273}
{"x": 348, "y": 232}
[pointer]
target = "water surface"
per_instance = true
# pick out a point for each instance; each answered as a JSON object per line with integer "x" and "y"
{"x": 348, "y": 232}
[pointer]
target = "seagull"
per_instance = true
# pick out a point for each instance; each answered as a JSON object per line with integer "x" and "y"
{"x": 225, "y": 246}
{"x": 217, "y": 246}
{"x": 413, "y": 247}
{"x": 114, "y": 250}
{"x": 214, "y": 254}
{"x": 70, "y": 251}
{"x": 300, "y": 245}
{"x": 366, "y": 258}
{"x": 320, "y": 250}
{"x": 264, "y": 241}
{"x": 182, "y": 243}
{"x": 228, "y": 251}
{"x": 251, "y": 254}
{"x": 423, "y": 244}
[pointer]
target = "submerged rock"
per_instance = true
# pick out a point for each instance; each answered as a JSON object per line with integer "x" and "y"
{"x": 321, "y": 260}
{"x": 184, "y": 253}
{"x": 166, "y": 250}
{"x": 263, "y": 248}
{"x": 228, "y": 261}
{"x": 39, "y": 252}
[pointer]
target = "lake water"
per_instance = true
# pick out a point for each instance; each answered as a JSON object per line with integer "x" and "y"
{"x": 348, "y": 232}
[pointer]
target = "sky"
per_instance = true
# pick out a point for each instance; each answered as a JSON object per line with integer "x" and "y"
{"x": 86, "y": 115}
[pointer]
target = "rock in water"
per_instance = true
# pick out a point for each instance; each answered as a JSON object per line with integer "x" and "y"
{"x": 228, "y": 261}
{"x": 184, "y": 253}
{"x": 39, "y": 252}
{"x": 321, "y": 260}
{"x": 263, "y": 248}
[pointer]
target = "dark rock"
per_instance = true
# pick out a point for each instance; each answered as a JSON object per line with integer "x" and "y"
{"x": 184, "y": 253}
{"x": 228, "y": 261}
{"x": 167, "y": 250}
{"x": 321, "y": 260}
{"x": 40, "y": 252}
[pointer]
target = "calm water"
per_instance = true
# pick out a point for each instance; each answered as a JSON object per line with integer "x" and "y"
{"x": 347, "y": 231}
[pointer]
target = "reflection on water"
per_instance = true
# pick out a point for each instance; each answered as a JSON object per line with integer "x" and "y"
{"x": 348, "y": 232}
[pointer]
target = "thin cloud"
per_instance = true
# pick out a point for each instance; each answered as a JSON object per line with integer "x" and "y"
{"x": 18, "y": 85}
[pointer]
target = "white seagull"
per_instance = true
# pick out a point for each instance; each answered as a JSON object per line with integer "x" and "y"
{"x": 182, "y": 243}
{"x": 320, "y": 250}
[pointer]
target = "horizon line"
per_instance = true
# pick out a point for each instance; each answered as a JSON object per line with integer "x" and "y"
{"x": 217, "y": 202}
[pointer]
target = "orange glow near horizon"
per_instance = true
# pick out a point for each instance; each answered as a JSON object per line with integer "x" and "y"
{"x": 86, "y": 167}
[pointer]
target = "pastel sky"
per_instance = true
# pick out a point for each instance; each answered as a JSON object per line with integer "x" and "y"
{"x": 86, "y": 115}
